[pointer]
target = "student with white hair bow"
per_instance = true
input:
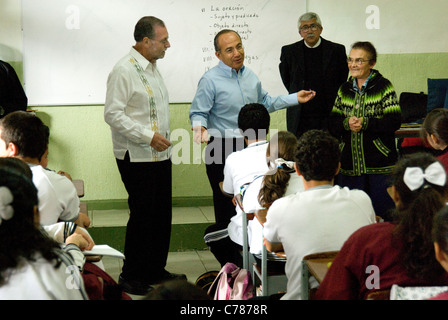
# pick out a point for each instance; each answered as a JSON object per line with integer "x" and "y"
{"x": 416, "y": 177}
{"x": 402, "y": 250}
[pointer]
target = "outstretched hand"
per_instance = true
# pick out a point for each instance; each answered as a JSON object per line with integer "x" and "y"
{"x": 304, "y": 96}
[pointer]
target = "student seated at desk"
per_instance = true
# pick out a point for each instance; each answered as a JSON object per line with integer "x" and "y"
{"x": 32, "y": 266}
{"x": 241, "y": 167}
{"x": 435, "y": 131}
{"x": 23, "y": 135}
{"x": 321, "y": 217}
{"x": 60, "y": 231}
{"x": 71, "y": 238}
{"x": 280, "y": 180}
{"x": 401, "y": 252}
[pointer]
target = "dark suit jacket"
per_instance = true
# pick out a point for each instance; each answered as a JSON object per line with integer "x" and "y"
{"x": 12, "y": 95}
{"x": 292, "y": 71}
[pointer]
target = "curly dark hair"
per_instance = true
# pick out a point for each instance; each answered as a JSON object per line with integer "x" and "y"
{"x": 414, "y": 218}
{"x": 318, "y": 155}
{"x": 19, "y": 236}
{"x": 282, "y": 145}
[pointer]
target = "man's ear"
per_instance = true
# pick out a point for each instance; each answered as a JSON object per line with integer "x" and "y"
{"x": 12, "y": 150}
{"x": 297, "y": 169}
{"x": 338, "y": 169}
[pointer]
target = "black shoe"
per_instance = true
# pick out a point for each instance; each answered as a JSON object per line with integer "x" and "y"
{"x": 167, "y": 276}
{"x": 134, "y": 287}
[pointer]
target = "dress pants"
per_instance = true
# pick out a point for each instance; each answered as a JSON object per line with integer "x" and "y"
{"x": 148, "y": 230}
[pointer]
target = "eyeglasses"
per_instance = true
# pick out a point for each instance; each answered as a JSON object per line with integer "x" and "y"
{"x": 307, "y": 28}
{"x": 358, "y": 61}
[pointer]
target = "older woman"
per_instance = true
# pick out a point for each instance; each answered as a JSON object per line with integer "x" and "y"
{"x": 365, "y": 117}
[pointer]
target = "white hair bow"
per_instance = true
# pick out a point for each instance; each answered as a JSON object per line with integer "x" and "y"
{"x": 414, "y": 177}
{"x": 6, "y": 198}
{"x": 280, "y": 162}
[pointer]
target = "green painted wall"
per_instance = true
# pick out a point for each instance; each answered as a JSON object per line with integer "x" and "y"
{"x": 80, "y": 144}
{"x": 80, "y": 141}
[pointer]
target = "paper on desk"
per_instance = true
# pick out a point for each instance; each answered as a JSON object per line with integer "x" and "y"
{"x": 104, "y": 250}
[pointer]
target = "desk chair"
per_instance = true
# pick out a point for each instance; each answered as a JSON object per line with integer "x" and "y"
{"x": 315, "y": 265}
{"x": 246, "y": 255}
{"x": 79, "y": 185}
{"x": 271, "y": 282}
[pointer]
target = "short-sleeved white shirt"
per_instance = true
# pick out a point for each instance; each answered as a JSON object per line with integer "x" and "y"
{"x": 242, "y": 167}
{"x": 251, "y": 204}
{"x": 58, "y": 199}
{"x": 315, "y": 220}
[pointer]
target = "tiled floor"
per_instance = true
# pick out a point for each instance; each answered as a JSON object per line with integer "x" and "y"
{"x": 192, "y": 263}
{"x": 181, "y": 215}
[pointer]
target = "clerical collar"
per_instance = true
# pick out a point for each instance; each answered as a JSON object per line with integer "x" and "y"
{"x": 315, "y": 46}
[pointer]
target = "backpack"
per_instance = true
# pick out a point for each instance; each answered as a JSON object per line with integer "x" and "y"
{"x": 205, "y": 280}
{"x": 232, "y": 283}
{"x": 100, "y": 285}
{"x": 413, "y": 106}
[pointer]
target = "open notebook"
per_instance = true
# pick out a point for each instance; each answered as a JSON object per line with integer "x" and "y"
{"x": 104, "y": 250}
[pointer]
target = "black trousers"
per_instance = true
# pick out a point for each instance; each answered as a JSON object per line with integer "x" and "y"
{"x": 216, "y": 153}
{"x": 148, "y": 230}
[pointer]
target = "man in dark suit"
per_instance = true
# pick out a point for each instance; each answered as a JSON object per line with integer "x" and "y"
{"x": 312, "y": 64}
{"x": 12, "y": 95}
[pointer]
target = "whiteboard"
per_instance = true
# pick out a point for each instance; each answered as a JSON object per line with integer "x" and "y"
{"x": 70, "y": 46}
{"x": 398, "y": 26}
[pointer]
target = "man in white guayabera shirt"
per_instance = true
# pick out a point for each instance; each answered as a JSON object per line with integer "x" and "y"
{"x": 137, "y": 111}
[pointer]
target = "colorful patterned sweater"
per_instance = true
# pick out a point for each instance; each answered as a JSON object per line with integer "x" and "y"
{"x": 373, "y": 149}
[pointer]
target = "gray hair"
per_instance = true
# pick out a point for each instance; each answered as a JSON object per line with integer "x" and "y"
{"x": 309, "y": 16}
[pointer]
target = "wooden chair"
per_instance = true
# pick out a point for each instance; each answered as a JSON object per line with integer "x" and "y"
{"x": 79, "y": 185}
{"x": 379, "y": 295}
{"x": 315, "y": 265}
